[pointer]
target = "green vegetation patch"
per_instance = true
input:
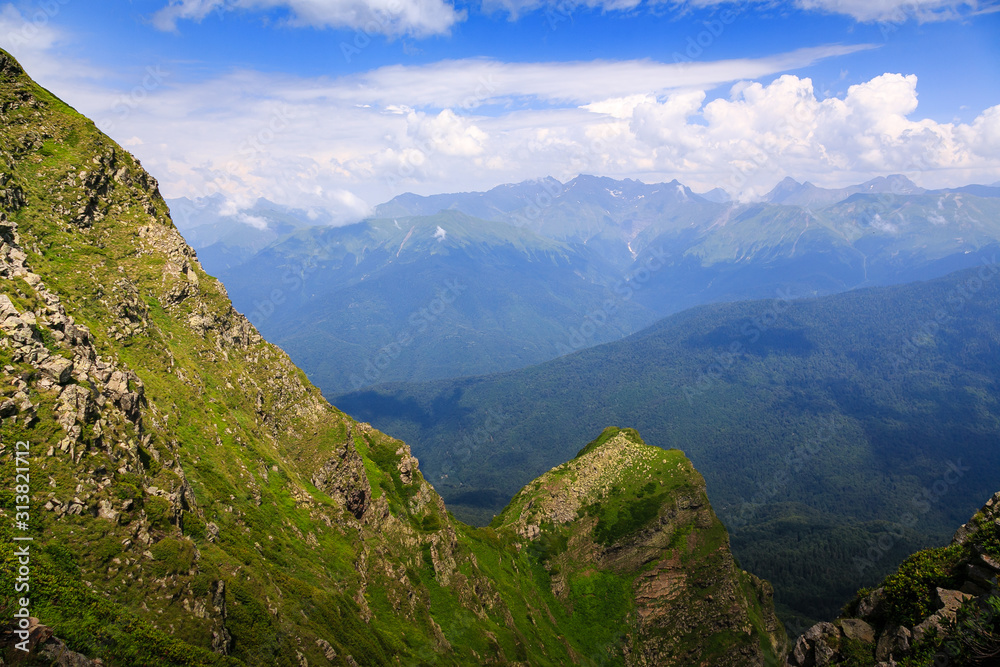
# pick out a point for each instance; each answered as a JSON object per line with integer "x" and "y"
{"x": 909, "y": 591}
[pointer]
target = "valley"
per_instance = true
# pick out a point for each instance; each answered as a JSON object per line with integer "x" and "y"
{"x": 816, "y": 422}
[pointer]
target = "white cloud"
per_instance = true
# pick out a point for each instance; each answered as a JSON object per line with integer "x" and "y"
{"x": 469, "y": 83}
{"x": 31, "y": 37}
{"x": 254, "y": 221}
{"x": 312, "y": 144}
{"x": 886, "y": 11}
{"x": 894, "y": 10}
{"x": 420, "y": 18}
{"x": 440, "y": 234}
{"x": 342, "y": 145}
{"x": 446, "y": 133}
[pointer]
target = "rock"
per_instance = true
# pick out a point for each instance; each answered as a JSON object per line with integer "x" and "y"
{"x": 7, "y": 308}
{"x": 816, "y": 646}
{"x": 855, "y": 628}
{"x": 531, "y": 531}
{"x": 973, "y": 589}
{"x": 895, "y": 641}
{"x": 949, "y": 601}
{"x": 327, "y": 649}
{"x": 987, "y": 560}
{"x": 211, "y": 531}
{"x": 407, "y": 465}
{"x": 57, "y": 368}
{"x": 106, "y": 511}
{"x": 869, "y": 604}
{"x": 823, "y": 654}
{"x": 801, "y": 655}
{"x": 821, "y": 631}
{"x": 989, "y": 512}
{"x": 45, "y": 648}
{"x": 981, "y": 575}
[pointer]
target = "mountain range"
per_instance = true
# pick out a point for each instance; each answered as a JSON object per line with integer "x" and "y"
{"x": 551, "y": 268}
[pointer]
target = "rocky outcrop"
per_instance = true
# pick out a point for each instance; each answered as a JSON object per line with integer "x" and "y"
{"x": 57, "y": 356}
{"x": 38, "y": 644}
{"x": 641, "y": 513}
{"x": 969, "y": 577}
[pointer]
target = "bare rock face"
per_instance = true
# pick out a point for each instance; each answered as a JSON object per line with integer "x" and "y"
{"x": 43, "y": 647}
{"x": 343, "y": 477}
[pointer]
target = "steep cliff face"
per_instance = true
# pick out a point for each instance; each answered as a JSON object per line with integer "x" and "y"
{"x": 193, "y": 499}
{"x": 632, "y": 524}
{"x": 941, "y": 607}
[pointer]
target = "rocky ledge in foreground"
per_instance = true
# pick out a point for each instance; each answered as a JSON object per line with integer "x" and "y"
{"x": 941, "y": 607}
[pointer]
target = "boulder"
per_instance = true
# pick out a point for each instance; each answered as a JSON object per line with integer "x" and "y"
{"x": 57, "y": 368}
{"x": 855, "y": 628}
{"x": 870, "y": 603}
{"x": 949, "y": 601}
{"x": 895, "y": 641}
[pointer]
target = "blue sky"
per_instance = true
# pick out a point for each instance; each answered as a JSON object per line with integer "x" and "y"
{"x": 341, "y": 104}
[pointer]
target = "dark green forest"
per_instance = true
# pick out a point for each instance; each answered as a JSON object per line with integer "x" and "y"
{"x": 837, "y": 435}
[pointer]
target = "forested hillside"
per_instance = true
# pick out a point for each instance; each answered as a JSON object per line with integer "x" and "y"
{"x": 836, "y": 434}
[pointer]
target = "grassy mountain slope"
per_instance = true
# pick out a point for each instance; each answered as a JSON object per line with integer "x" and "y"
{"x": 193, "y": 500}
{"x": 641, "y": 515}
{"x": 817, "y": 423}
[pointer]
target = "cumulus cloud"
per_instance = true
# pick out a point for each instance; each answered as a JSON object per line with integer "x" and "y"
{"x": 420, "y": 18}
{"x": 342, "y": 145}
{"x": 447, "y": 133}
{"x": 324, "y": 143}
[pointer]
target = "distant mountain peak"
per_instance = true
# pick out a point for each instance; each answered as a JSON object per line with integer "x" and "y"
{"x": 785, "y": 188}
{"x": 716, "y": 195}
{"x": 895, "y": 183}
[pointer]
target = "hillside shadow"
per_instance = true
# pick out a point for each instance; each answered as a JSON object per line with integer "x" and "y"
{"x": 371, "y": 405}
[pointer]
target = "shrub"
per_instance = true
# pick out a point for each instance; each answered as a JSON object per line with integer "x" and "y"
{"x": 908, "y": 592}
{"x": 172, "y": 556}
{"x": 193, "y": 525}
{"x": 158, "y": 511}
